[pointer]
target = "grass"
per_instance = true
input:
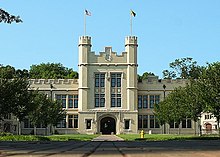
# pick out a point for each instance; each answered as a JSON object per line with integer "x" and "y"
{"x": 76, "y": 137}
{"x": 167, "y": 137}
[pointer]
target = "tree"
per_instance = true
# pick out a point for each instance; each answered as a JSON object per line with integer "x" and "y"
{"x": 7, "y": 72}
{"x": 8, "y": 18}
{"x": 52, "y": 71}
{"x": 184, "y": 68}
{"x": 46, "y": 112}
{"x": 173, "y": 108}
{"x": 144, "y": 76}
{"x": 211, "y": 84}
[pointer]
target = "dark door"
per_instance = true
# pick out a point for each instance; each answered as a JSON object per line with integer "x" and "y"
{"x": 108, "y": 125}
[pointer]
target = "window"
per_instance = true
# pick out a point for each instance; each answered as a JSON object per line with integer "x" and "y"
{"x": 208, "y": 116}
{"x": 99, "y": 90}
{"x": 187, "y": 123}
{"x": 27, "y": 123}
{"x": 142, "y": 101}
{"x": 75, "y": 101}
{"x": 127, "y": 123}
{"x": 62, "y": 123}
{"x": 88, "y": 123}
{"x": 139, "y": 101}
{"x": 62, "y": 99}
{"x": 174, "y": 125}
{"x": 154, "y": 123}
{"x": 70, "y": 101}
{"x": 70, "y": 121}
{"x": 142, "y": 121}
{"x": 75, "y": 121}
{"x": 154, "y": 99}
{"x": 145, "y": 121}
{"x": 116, "y": 90}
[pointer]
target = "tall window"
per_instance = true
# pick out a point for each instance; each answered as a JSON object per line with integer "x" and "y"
{"x": 142, "y": 121}
{"x": 187, "y": 123}
{"x": 116, "y": 90}
{"x": 62, "y": 123}
{"x": 72, "y": 121}
{"x": 174, "y": 124}
{"x": 70, "y": 100}
{"x": 154, "y": 122}
{"x": 75, "y": 101}
{"x": 154, "y": 99}
{"x": 62, "y": 99}
{"x": 100, "y": 90}
{"x": 142, "y": 101}
{"x": 75, "y": 118}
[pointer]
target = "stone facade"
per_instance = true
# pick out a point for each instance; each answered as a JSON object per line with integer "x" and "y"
{"x": 107, "y": 98}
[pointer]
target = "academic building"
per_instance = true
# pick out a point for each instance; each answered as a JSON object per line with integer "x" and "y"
{"x": 107, "y": 98}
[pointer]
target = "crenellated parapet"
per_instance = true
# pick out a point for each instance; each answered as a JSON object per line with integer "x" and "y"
{"x": 84, "y": 40}
{"x": 153, "y": 83}
{"x": 131, "y": 40}
{"x": 53, "y": 81}
{"x": 53, "y": 84}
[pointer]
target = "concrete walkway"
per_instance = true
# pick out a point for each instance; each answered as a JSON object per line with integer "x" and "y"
{"x": 108, "y": 138}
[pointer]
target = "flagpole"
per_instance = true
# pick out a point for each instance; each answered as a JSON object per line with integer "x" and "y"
{"x": 131, "y": 23}
{"x": 84, "y": 24}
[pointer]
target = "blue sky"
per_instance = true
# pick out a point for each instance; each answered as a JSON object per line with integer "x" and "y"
{"x": 166, "y": 30}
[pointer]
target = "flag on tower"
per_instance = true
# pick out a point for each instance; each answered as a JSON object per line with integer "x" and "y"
{"x": 133, "y": 13}
{"x": 88, "y": 12}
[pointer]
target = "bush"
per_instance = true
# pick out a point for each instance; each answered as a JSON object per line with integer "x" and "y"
{"x": 5, "y": 134}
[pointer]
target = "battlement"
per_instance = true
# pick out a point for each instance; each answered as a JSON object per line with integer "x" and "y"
{"x": 84, "y": 40}
{"x": 156, "y": 80}
{"x": 131, "y": 40}
{"x": 52, "y": 81}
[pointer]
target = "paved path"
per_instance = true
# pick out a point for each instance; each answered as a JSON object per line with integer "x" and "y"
{"x": 111, "y": 149}
{"x": 108, "y": 138}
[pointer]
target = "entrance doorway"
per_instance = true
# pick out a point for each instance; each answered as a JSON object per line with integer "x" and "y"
{"x": 108, "y": 125}
{"x": 208, "y": 128}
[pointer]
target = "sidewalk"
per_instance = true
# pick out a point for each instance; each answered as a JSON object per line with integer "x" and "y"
{"x": 107, "y": 138}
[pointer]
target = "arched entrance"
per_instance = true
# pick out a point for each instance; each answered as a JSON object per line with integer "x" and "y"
{"x": 108, "y": 125}
{"x": 208, "y": 127}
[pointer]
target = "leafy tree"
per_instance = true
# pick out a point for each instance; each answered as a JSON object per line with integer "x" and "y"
{"x": 184, "y": 68}
{"x": 7, "y": 72}
{"x": 46, "y": 111}
{"x": 8, "y": 18}
{"x": 51, "y": 71}
{"x": 211, "y": 84}
{"x": 173, "y": 108}
{"x": 144, "y": 76}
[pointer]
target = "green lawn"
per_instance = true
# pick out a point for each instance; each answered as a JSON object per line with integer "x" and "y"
{"x": 77, "y": 137}
{"x": 166, "y": 137}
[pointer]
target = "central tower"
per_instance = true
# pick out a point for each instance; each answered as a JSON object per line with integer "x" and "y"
{"x": 108, "y": 88}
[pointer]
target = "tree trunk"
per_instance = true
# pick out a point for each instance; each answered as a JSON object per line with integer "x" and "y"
{"x": 46, "y": 130}
{"x": 195, "y": 128}
{"x": 19, "y": 127}
{"x": 179, "y": 130}
{"x": 35, "y": 130}
{"x": 218, "y": 127}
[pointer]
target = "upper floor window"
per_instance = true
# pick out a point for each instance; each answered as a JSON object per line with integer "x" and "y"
{"x": 99, "y": 90}
{"x": 68, "y": 100}
{"x": 116, "y": 90}
{"x": 144, "y": 100}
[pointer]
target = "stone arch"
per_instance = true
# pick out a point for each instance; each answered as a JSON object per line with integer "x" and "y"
{"x": 107, "y": 124}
